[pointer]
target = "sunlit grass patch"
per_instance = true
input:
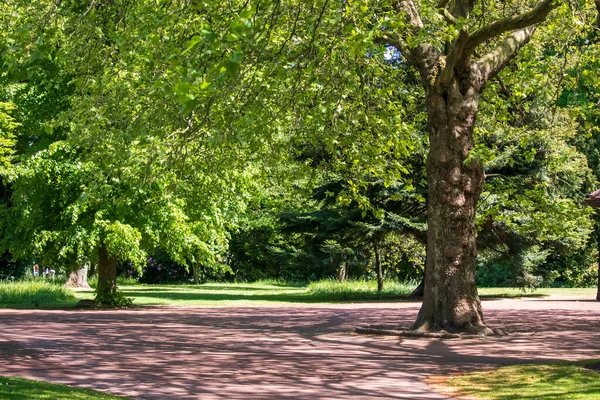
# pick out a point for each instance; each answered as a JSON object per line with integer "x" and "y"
{"x": 359, "y": 289}
{"x": 35, "y": 294}
{"x": 539, "y": 292}
{"x": 542, "y": 382}
{"x": 19, "y": 388}
{"x": 214, "y": 294}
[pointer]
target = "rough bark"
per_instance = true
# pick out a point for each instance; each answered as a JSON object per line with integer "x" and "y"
{"x": 107, "y": 275}
{"x": 378, "y": 266}
{"x": 455, "y": 183}
{"x": 78, "y": 278}
{"x": 453, "y": 82}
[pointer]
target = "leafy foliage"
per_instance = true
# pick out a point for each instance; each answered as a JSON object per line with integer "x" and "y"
{"x": 280, "y": 139}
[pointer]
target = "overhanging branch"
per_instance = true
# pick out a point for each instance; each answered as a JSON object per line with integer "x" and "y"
{"x": 495, "y": 60}
{"x": 532, "y": 17}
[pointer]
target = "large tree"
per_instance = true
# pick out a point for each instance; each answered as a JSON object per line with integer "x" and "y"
{"x": 454, "y": 73}
{"x": 111, "y": 173}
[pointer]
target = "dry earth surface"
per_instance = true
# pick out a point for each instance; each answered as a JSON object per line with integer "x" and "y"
{"x": 283, "y": 352}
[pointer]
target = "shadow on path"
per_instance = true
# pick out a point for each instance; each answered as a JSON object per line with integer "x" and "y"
{"x": 276, "y": 352}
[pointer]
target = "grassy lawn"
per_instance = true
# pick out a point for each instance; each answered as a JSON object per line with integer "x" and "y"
{"x": 18, "y": 388}
{"x": 258, "y": 293}
{"x": 540, "y": 382}
{"x": 42, "y": 294}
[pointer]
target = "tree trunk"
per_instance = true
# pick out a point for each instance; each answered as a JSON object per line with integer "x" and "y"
{"x": 379, "y": 267}
{"x": 450, "y": 300}
{"x": 598, "y": 241}
{"x": 195, "y": 269}
{"x": 107, "y": 277}
{"x": 78, "y": 278}
{"x": 93, "y": 270}
{"x": 342, "y": 272}
{"x": 419, "y": 290}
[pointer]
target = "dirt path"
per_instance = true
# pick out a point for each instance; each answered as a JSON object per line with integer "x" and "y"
{"x": 292, "y": 352}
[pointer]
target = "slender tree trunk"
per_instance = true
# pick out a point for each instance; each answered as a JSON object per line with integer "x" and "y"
{"x": 598, "y": 242}
{"x": 342, "y": 272}
{"x": 93, "y": 270}
{"x": 195, "y": 269}
{"x": 107, "y": 276}
{"x": 450, "y": 299}
{"x": 378, "y": 266}
{"x": 78, "y": 278}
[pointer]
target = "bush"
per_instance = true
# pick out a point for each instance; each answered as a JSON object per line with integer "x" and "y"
{"x": 494, "y": 274}
{"x": 160, "y": 269}
{"x": 12, "y": 270}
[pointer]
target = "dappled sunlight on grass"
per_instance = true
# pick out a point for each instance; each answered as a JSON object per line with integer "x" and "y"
{"x": 262, "y": 293}
{"x": 543, "y": 382}
{"x": 324, "y": 291}
{"x": 52, "y": 295}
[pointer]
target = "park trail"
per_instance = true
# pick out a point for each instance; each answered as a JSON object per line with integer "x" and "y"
{"x": 283, "y": 352}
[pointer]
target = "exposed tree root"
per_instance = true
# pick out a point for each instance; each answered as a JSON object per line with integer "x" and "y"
{"x": 475, "y": 332}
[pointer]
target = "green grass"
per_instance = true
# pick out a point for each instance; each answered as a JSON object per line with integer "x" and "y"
{"x": 540, "y": 292}
{"x": 358, "y": 290}
{"x": 277, "y": 292}
{"x": 45, "y": 294}
{"x": 18, "y": 388}
{"x": 540, "y": 382}
{"x": 258, "y": 293}
{"x": 121, "y": 281}
{"x": 30, "y": 294}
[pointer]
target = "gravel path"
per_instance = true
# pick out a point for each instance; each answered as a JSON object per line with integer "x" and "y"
{"x": 284, "y": 352}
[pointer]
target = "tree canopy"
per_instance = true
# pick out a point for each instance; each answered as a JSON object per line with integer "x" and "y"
{"x": 131, "y": 126}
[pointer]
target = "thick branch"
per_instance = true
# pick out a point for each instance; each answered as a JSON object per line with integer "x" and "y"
{"x": 448, "y": 16}
{"x": 422, "y": 56}
{"x": 532, "y": 17}
{"x": 455, "y": 53}
{"x": 495, "y": 60}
